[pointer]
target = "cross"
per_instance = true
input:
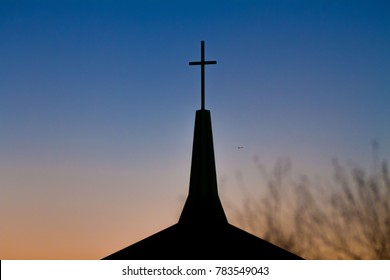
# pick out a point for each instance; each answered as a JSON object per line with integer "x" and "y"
{"x": 202, "y": 63}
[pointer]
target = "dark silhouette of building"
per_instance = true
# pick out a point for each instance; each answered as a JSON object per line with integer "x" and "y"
{"x": 203, "y": 231}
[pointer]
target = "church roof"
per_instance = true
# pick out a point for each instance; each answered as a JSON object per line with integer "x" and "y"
{"x": 225, "y": 242}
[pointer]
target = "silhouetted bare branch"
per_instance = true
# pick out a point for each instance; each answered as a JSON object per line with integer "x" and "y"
{"x": 348, "y": 219}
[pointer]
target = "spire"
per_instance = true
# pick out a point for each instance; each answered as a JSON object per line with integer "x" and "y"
{"x": 203, "y": 205}
{"x": 203, "y": 231}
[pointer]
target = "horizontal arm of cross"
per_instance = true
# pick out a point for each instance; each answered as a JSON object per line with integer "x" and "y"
{"x": 203, "y": 62}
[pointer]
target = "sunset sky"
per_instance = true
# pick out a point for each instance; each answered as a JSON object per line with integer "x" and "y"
{"x": 98, "y": 105}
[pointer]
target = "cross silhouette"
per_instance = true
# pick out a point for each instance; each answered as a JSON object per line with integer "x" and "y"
{"x": 202, "y": 64}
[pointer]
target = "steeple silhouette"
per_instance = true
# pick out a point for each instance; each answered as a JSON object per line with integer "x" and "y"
{"x": 203, "y": 204}
{"x": 203, "y": 231}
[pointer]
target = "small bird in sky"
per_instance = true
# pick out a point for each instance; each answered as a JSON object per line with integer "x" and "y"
{"x": 240, "y": 147}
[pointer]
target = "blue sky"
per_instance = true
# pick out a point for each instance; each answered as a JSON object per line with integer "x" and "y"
{"x": 98, "y": 103}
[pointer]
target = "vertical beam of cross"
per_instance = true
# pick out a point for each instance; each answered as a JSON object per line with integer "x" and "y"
{"x": 202, "y": 64}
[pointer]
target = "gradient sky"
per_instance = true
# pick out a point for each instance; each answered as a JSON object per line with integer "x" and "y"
{"x": 98, "y": 105}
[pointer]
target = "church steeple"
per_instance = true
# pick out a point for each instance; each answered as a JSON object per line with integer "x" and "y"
{"x": 203, "y": 205}
{"x": 203, "y": 231}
